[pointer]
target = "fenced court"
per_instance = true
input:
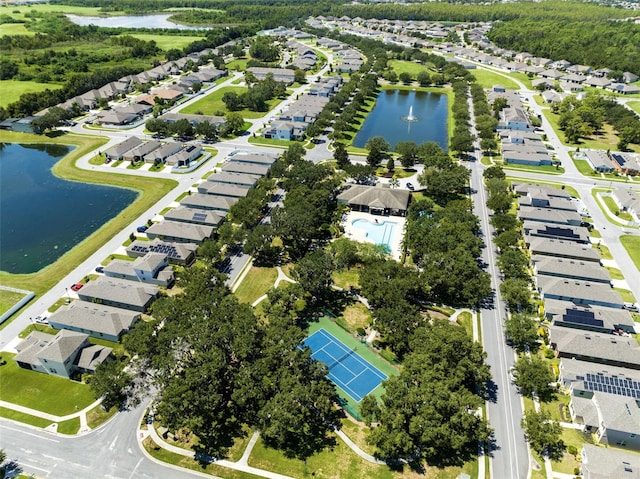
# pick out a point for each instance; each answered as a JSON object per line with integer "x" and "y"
{"x": 347, "y": 369}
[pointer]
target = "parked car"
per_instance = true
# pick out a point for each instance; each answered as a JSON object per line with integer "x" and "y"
{"x": 632, "y": 307}
{"x": 410, "y": 186}
{"x": 141, "y": 229}
{"x": 77, "y": 287}
{"x": 100, "y": 269}
{"x": 41, "y": 320}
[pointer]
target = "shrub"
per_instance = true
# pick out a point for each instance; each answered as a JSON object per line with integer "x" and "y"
{"x": 573, "y": 450}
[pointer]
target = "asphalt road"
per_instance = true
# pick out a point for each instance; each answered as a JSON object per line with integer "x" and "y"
{"x": 110, "y": 452}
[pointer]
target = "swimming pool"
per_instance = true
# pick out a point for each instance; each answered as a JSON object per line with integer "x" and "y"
{"x": 377, "y": 233}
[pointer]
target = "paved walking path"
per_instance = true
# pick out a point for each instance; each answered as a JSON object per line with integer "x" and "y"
{"x": 84, "y": 427}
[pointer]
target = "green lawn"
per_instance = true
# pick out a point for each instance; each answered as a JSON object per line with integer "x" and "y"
{"x": 464, "y": 319}
{"x": 237, "y": 64}
{"x": 402, "y": 66}
{"x": 544, "y": 169}
{"x": 25, "y": 418}
{"x": 8, "y": 299}
{"x": 487, "y": 79}
{"x": 151, "y": 189}
{"x": 273, "y": 142}
{"x": 256, "y": 283}
{"x": 98, "y": 416}
{"x": 585, "y": 168}
{"x": 345, "y": 278}
{"x": 626, "y": 295}
{"x": 341, "y": 461}
{"x": 635, "y": 106}
{"x": 167, "y": 42}
{"x": 211, "y": 103}
{"x": 11, "y": 29}
{"x": 632, "y": 245}
{"x": 40, "y": 391}
{"x": 613, "y": 208}
{"x": 12, "y": 89}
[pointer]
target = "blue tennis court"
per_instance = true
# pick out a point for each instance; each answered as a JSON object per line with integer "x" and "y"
{"x": 347, "y": 369}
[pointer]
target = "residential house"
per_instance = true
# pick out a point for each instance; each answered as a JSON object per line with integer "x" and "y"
{"x": 178, "y": 253}
{"x": 193, "y": 119}
{"x": 570, "y": 268}
{"x": 209, "y": 202}
{"x": 628, "y": 77}
{"x": 152, "y": 268}
{"x": 549, "y": 215}
{"x": 625, "y": 163}
{"x": 116, "y": 153}
{"x": 377, "y": 200}
{"x": 223, "y": 189}
{"x": 283, "y": 75}
{"x": 514, "y": 118}
{"x": 180, "y": 232}
{"x": 540, "y": 195}
{"x": 119, "y": 293}
{"x": 580, "y": 292}
{"x": 237, "y": 179}
{"x": 96, "y": 320}
{"x": 602, "y": 348}
{"x": 182, "y": 214}
{"x": 64, "y": 354}
{"x": 161, "y": 154}
{"x": 588, "y": 317}
{"x": 535, "y": 229}
{"x": 253, "y": 158}
{"x": 185, "y": 156}
{"x": 139, "y": 152}
{"x": 564, "y": 249}
{"x": 605, "y": 463}
{"x": 628, "y": 201}
{"x": 248, "y": 168}
{"x": 598, "y": 160}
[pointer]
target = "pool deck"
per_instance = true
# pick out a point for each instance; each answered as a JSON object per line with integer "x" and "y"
{"x": 357, "y": 234}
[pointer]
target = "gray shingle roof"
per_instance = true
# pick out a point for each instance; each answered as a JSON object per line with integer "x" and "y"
{"x": 605, "y": 463}
{"x": 119, "y": 290}
{"x": 566, "y": 249}
{"x": 376, "y": 197}
{"x": 94, "y": 317}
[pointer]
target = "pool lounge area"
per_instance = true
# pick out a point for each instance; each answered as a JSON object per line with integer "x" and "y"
{"x": 368, "y": 228}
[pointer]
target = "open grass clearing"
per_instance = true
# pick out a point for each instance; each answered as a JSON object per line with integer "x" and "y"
{"x": 271, "y": 142}
{"x": 357, "y": 315}
{"x": 8, "y": 9}
{"x": 8, "y": 299}
{"x": 167, "y": 42}
{"x": 347, "y": 278}
{"x": 626, "y": 295}
{"x": 405, "y": 66}
{"x": 43, "y": 392}
{"x": 585, "y": 168}
{"x": 256, "y": 283}
{"x": 632, "y": 244}
{"x": 98, "y": 416}
{"x": 488, "y": 78}
{"x": 11, "y": 29}
{"x": 343, "y": 462}
{"x": 635, "y": 106}
{"x": 465, "y": 319}
{"x": 615, "y": 273}
{"x": 544, "y": 169}
{"x": 212, "y": 103}
{"x": 567, "y": 465}
{"x": 188, "y": 463}
{"x": 151, "y": 189}
{"x": 13, "y": 89}
{"x": 71, "y": 426}
{"x": 613, "y": 208}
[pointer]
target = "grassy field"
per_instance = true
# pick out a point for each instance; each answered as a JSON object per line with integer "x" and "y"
{"x": 43, "y": 392}
{"x": 97, "y": 416}
{"x": 402, "y": 66}
{"x": 167, "y": 42}
{"x": 46, "y": 7}
{"x": 613, "y": 208}
{"x": 343, "y": 462}
{"x": 272, "y": 142}
{"x": 487, "y": 79}
{"x": 12, "y": 89}
{"x": 632, "y": 244}
{"x": 8, "y": 299}
{"x": 256, "y": 283}
{"x": 635, "y": 106}
{"x": 544, "y": 169}
{"x": 24, "y": 418}
{"x": 357, "y": 315}
{"x": 209, "y": 104}
{"x": 151, "y": 189}
{"x": 345, "y": 278}
{"x": 14, "y": 29}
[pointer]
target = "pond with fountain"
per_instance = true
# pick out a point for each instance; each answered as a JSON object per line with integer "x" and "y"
{"x": 406, "y": 115}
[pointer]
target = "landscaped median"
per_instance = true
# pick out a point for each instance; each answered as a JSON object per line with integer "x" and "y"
{"x": 151, "y": 189}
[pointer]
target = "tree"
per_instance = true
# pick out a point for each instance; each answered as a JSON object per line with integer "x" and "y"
{"x": 405, "y": 77}
{"x": 110, "y": 383}
{"x": 313, "y": 272}
{"x": 8, "y": 69}
{"x": 341, "y": 155}
{"x": 544, "y": 434}
{"x": 299, "y": 76}
{"x": 206, "y": 129}
{"x": 522, "y": 329}
{"x": 494, "y": 171}
{"x": 504, "y": 222}
{"x": 360, "y": 173}
{"x": 378, "y": 149}
{"x": 507, "y": 239}
{"x": 235, "y": 123}
{"x": 500, "y": 202}
{"x": 533, "y": 376}
{"x": 424, "y": 78}
{"x": 294, "y": 153}
{"x": 344, "y": 253}
{"x": 391, "y": 165}
{"x": 259, "y": 245}
{"x": 488, "y": 144}
{"x": 182, "y": 128}
{"x": 516, "y": 293}
{"x": 408, "y": 152}
{"x": 232, "y": 101}
{"x": 514, "y": 264}
{"x": 369, "y": 409}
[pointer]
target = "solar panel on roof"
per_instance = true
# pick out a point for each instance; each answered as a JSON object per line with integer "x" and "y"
{"x": 199, "y": 216}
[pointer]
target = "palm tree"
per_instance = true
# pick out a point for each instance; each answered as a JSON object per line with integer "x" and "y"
{"x": 394, "y": 182}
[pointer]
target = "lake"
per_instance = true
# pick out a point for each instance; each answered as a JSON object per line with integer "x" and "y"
{"x": 160, "y": 20}
{"x": 43, "y": 216}
{"x": 386, "y": 119}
